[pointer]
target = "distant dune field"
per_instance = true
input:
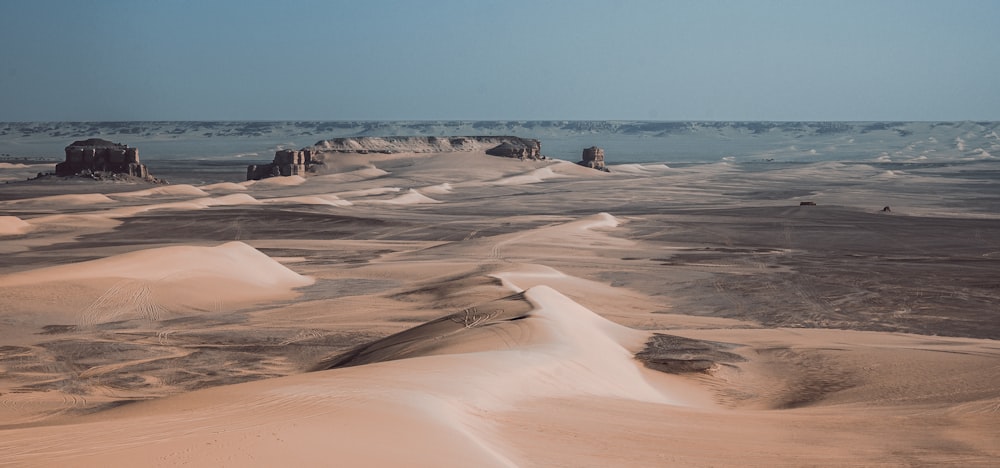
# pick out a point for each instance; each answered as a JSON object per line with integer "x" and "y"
{"x": 460, "y": 309}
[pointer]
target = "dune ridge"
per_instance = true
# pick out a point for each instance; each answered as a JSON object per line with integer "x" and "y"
{"x": 12, "y": 226}
{"x": 157, "y": 283}
{"x": 696, "y": 316}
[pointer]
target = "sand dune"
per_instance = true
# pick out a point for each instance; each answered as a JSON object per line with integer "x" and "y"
{"x": 223, "y": 187}
{"x": 459, "y": 309}
{"x": 12, "y": 226}
{"x": 350, "y": 176}
{"x": 326, "y": 199}
{"x": 173, "y": 262}
{"x": 70, "y": 200}
{"x": 532, "y": 177}
{"x": 10, "y": 172}
{"x": 184, "y": 278}
{"x": 410, "y": 197}
{"x": 638, "y": 168}
{"x": 182, "y": 190}
{"x": 437, "y": 189}
{"x": 511, "y": 362}
{"x": 551, "y": 349}
{"x": 275, "y": 182}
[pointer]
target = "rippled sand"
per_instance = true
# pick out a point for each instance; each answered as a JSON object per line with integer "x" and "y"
{"x": 465, "y": 310}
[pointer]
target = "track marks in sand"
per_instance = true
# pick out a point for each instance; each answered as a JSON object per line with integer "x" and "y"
{"x": 125, "y": 299}
{"x": 471, "y": 317}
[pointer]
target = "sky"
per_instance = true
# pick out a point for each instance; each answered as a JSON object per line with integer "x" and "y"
{"x": 70, "y": 60}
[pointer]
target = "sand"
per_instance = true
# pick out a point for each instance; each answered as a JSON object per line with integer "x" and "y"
{"x": 458, "y": 309}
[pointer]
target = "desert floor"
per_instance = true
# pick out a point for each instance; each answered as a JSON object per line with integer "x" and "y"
{"x": 466, "y": 310}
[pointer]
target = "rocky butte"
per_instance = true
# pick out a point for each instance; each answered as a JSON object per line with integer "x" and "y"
{"x": 299, "y": 162}
{"x": 593, "y": 158}
{"x": 95, "y": 155}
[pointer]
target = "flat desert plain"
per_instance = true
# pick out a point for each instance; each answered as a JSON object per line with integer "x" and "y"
{"x": 459, "y": 309}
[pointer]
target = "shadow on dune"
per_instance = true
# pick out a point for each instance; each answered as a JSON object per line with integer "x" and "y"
{"x": 469, "y": 330}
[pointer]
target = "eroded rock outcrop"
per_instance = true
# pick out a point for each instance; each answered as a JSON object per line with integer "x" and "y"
{"x": 95, "y": 155}
{"x": 299, "y": 162}
{"x": 285, "y": 163}
{"x": 593, "y": 158}
{"x": 520, "y": 148}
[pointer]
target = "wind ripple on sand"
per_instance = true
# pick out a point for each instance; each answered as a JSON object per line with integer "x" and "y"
{"x": 411, "y": 197}
{"x": 531, "y": 177}
{"x": 62, "y": 201}
{"x": 435, "y": 384}
{"x": 148, "y": 283}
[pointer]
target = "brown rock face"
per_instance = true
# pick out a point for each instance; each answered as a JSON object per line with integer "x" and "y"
{"x": 520, "y": 148}
{"x": 97, "y": 155}
{"x": 285, "y": 163}
{"x": 298, "y": 162}
{"x": 593, "y": 158}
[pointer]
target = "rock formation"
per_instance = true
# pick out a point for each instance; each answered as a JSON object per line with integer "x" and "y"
{"x": 293, "y": 162}
{"x": 593, "y": 158}
{"x": 285, "y": 163}
{"x": 520, "y": 148}
{"x": 95, "y": 155}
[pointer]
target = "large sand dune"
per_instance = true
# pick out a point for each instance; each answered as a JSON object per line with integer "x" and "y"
{"x": 458, "y": 309}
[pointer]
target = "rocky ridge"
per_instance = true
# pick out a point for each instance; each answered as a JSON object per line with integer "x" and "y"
{"x": 296, "y": 162}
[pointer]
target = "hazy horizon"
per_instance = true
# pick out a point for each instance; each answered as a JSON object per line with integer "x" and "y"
{"x": 511, "y": 61}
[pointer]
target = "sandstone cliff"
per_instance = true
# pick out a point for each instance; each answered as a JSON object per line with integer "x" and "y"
{"x": 95, "y": 155}
{"x": 593, "y": 158}
{"x": 419, "y": 144}
{"x": 293, "y": 162}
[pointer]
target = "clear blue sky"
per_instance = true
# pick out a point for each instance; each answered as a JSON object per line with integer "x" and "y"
{"x": 499, "y": 60}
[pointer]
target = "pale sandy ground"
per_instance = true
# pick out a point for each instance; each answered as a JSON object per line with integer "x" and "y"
{"x": 465, "y": 310}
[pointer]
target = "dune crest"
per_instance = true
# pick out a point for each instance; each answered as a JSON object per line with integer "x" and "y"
{"x": 72, "y": 200}
{"x": 554, "y": 348}
{"x": 223, "y": 187}
{"x": 235, "y": 260}
{"x": 12, "y": 226}
{"x": 530, "y": 177}
{"x": 164, "y": 281}
{"x": 411, "y": 197}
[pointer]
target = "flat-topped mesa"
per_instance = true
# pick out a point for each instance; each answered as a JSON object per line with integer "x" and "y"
{"x": 593, "y": 158}
{"x": 427, "y": 144}
{"x": 285, "y": 163}
{"x": 299, "y": 162}
{"x": 95, "y": 155}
